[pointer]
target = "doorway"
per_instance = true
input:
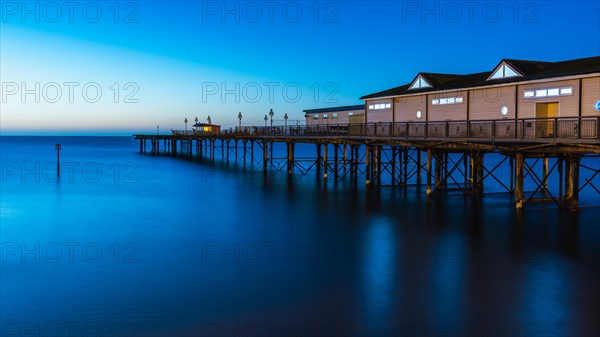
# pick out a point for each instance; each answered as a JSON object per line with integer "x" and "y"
{"x": 545, "y": 113}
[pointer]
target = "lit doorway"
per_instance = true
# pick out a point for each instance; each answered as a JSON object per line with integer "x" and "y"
{"x": 545, "y": 112}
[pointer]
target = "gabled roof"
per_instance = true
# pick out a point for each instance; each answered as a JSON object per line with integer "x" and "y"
{"x": 531, "y": 70}
{"x": 432, "y": 79}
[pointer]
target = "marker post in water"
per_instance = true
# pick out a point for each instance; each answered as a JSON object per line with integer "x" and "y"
{"x": 58, "y": 147}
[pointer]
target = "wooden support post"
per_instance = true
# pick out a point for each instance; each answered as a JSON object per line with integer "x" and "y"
{"x": 235, "y": 142}
{"x": 428, "y": 180}
{"x": 480, "y": 166}
{"x": 438, "y": 170}
{"x": 393, "y": 164}
{"x": 446, "y": 171}
{"x": 265, "y": 155}
{"x": 345, "y": 153}
{"x": 519, "y": 181}
{"x": 212, "y": 149}
{"x": 419, "y": 166}
{"x": 405, "y": 163}
{"x": 325, "y": 164}
{"x": 465, "y": 162}
{"x": 290, "y": 158}
{"x": 141, "y": 145}
{"x": 560, "y": 178}
{"x": 575, "y": 185}
{"x": 511, "y": 160}
{"x": 368, "y": 165}
{"x": 568, "y": 180}
{"x": 252, "y": 152}
{"x": 336, "y": 148}
{"x": 244, "y": 143}
{"x": 378, "y": 165}
{"x": 227, "y": 156}
{"x": 545, "y": 174}
{"x": 318, "y": 162}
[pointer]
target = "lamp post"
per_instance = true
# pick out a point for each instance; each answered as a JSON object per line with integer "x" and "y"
{"x": 266, "y": 119}
{"x": 209, "y": 120}
{"x": 240, "y": 119}
{"x": 58, "y": 147}
{"x": 157, "y": 130}
{"x": 271, "y": 113}
{"x": 285, "y": 118}
{"x": 185, "y": 121}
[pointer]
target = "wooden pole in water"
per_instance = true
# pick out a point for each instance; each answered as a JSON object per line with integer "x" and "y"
{"x": 419, "y": 166}
{"x": 393, "y": 164}
{"x": 560, "y": 178}
{"x": 290, "y": 159}
{"x": 368, "y": 165}
{"x": 575, "y": 185}
{"x": 519, "y": 181}
{"x": 568, "y": 180}
{"x": 336, "y": 148}
{"x": 428, "y": 190}
{"x": 318, "y": 163}
{"x": 58, "y": 147}
{"x": 265, "y": 155}
{"x": 545, "y": 174}
{"x": 438, "y": 170}
{"x": 325, "y": 164}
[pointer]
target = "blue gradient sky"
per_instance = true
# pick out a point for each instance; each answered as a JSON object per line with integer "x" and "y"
{"x": 175, "y": 58}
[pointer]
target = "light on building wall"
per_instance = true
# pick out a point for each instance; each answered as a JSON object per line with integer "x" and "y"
{"x": 419, "y": 114}
{"x": 504, "y": 110}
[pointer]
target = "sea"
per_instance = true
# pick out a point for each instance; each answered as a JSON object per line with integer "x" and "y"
{"x": 131, "y": 244}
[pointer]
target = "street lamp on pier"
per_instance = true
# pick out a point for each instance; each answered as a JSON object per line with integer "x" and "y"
{"x": 209, "y": 120}
{"x": 240, "y": 119}
{"x": 185, "y": 121}
{"x": 285, "y": 118}
{"x": 271, "y": 113}
{"x": 266, "y": 119}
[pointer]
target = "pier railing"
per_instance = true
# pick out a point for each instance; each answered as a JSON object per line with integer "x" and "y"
{"x": 528, "y": 128}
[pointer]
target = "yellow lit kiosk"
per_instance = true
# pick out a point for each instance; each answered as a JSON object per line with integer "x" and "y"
{"x": 203, "y": 128}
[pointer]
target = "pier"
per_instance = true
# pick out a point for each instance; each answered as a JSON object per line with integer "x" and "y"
{"x": 442, "y": 157}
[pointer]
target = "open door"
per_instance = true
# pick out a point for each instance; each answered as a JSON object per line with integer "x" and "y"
{"x": 545, "y": 113}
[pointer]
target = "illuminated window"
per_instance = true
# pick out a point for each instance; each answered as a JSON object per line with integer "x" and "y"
{"x": 350, "y": 113}
{"x": 447, "y": 100}
{"x": 566, "y": 91}
{"x": 549, "y": 92}
{"x": 380, "y": 106}
{"x": 334, "y": 116}
{"x": 325, "y": 116}
{"x": 316, "y": 117}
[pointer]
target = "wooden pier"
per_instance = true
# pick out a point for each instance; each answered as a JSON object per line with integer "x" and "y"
{"x": 448, "y": 156}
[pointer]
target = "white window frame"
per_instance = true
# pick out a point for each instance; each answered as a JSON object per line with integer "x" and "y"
{"x": 447, "y": 100}
{"x": 548, "y": 92}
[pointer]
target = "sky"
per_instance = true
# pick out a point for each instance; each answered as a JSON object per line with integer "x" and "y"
{"x": 117, "y": 68}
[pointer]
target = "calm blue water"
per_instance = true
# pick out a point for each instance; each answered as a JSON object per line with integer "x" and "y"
{"x": 126, "y": 244}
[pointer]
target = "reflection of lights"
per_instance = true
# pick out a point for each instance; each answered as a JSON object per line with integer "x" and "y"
{"x": 378, "y": 273}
